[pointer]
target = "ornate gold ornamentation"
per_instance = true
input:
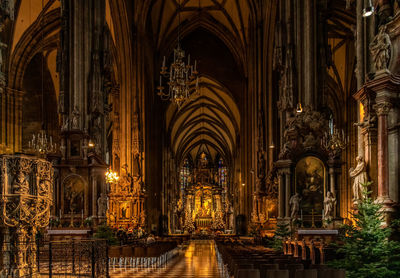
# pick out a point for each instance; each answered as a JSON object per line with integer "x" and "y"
{"x": 26, "y": 197}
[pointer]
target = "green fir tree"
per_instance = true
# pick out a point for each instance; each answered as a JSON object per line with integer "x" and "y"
{"x": 282, "y": 231}
{"x": 367, "y": 250}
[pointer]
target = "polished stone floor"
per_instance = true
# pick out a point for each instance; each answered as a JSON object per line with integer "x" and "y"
{"x": 198, "y": 260}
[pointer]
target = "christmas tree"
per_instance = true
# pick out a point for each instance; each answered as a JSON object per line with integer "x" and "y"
{"x": 367, "y": 250}
{"x": 282, "y": 231}
{"x": 188, "y": 225}
{"x": 218, "y": 223}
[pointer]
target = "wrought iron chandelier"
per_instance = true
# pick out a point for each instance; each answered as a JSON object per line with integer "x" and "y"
{"x": 40, "y": 145}
{"x": 334, "y": 141}
{"x": 181, "y": 77}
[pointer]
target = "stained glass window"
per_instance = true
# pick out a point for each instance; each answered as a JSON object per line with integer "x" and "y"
{"x": 222, "y": 173}
{"x": 185, "y": 174}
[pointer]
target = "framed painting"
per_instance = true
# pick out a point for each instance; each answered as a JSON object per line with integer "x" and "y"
{"x": 310, "y": 179}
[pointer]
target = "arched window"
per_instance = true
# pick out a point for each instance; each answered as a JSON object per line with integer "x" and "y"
{"x": 222, "y": 173}
{"x": 185, "y": 175}
{"x": 331, "y": 125}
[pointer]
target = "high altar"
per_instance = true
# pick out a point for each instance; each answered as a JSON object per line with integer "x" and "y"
{"x": 206, "y": 206}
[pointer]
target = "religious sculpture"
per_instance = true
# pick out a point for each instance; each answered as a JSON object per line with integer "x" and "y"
{"x": 102, "y": 205}
{"x": 294, "y": 203}
{"x": 75, "y": 118}
{"x": 329, "y": 206}
{"x": 360, "y": 177}
{"x": 380, "y": 50}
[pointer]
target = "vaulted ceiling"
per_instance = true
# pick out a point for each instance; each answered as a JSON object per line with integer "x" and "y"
{"x": 210, "y": 120}
{"x": 228, "y": 19}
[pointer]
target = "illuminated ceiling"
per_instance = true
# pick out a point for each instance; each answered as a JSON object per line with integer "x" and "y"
{"x": 210, "y": 121}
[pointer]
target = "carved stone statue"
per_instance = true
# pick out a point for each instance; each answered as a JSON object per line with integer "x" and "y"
{"x": 380, "y": 50}
{"x": 294, "y": 203}
{"x": 75, "y": 118}
{"x": 329, "y": 206}
{"x": 102, "y": 205}
{"x": 360, "y": 177}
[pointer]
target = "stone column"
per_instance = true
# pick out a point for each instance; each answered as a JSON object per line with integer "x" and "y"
{"x": 332, "y": 180}
{"x": 94, "y": 194}
{"x": 382, "y": 110}
{"x": 287, "y": 193}
{"x": 281, "y": 196}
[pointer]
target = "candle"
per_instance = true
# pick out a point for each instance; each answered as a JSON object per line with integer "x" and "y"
{"x": 189, "y": 59}
{"x": 163, "y": 63}
{"x": 160, "y": 80}
{"x": 82, "y": 214}
{"x": 195, "y": 65}
{"x": 60, "y": 213}
{"x": 301, "y": 214}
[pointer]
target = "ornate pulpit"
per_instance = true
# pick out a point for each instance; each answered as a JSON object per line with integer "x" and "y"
{"x": 26, "y": 197}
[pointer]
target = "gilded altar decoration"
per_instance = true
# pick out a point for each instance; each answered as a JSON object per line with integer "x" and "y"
{"x": 126, "y": 201}
{"x": 26, "y": 197}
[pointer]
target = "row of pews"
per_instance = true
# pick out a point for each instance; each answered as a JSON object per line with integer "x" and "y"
{"x": 245, "y": 261}
{"x": 142, "y": 255}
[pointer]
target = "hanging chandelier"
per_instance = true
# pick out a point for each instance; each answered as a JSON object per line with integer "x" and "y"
{"x": 181, "y": 77}
{"x": 111, "y": 176}
{"x": 334, "y": 141}
{"x": 39, "y": 144}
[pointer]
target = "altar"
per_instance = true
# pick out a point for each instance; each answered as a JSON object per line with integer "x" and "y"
{"x": 205, "y": 200}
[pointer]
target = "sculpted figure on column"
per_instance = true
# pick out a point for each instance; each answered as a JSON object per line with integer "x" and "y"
{"x": 360, "y": 177}
{"x": 380, "y": 49}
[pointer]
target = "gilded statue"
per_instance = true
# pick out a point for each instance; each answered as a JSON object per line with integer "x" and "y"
{"x": 360, "y": 177}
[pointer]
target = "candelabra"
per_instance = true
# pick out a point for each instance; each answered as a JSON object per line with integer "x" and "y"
{"x": 334, "y": 142}
{"x": 111, "y": 176}
{"x": 40, "y": 145}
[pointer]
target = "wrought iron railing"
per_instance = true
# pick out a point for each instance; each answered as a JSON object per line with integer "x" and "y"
{"x": 83, "y": 258}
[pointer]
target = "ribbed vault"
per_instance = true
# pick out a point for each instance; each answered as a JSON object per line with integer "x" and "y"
{"x": 211, "y": 121}
{"x": 229, "y": 20}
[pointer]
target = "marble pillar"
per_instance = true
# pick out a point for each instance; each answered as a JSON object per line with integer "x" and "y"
{"x": 382, "y": 110}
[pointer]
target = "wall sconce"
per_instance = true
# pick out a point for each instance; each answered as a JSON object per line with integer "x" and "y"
{"x": 299, "y": 109}
{"x": 272, "y": 146}
{"x": 91, "y": 144}
{"x": 368, "y": 10}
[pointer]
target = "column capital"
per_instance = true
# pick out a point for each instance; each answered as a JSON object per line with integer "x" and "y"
{"x": 382, "y": 108}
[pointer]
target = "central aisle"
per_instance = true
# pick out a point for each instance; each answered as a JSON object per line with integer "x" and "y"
{"x": 197, "y": 261}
